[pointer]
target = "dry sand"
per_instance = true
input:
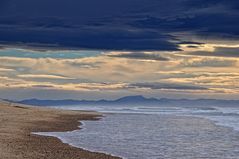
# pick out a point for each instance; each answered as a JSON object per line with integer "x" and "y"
{"x": 16, "y": 141}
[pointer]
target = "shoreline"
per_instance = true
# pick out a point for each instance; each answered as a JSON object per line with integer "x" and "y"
{"x": 186, "y": 128}
{"x": 18, "y": 123}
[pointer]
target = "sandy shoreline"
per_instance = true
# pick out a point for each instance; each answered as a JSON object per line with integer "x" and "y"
{"x": 17, "y": 142}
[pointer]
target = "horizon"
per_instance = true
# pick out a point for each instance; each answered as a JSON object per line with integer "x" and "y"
{"x": 123, "y": 97}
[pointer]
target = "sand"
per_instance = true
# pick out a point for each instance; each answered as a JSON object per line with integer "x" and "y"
{"x": 16, "y": 141}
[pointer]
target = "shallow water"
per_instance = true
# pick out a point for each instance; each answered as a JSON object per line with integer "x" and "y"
{"x": 224, "y": 116}
{"x": 155, "y": 133}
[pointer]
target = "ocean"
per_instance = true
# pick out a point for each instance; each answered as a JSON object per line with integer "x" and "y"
{"x": 158, "y": 132}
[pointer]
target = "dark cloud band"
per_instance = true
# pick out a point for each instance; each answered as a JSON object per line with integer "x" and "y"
{"x": 115, "y": 25}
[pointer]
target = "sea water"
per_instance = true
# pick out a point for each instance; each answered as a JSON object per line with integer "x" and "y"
{"x": 157, "y": 132}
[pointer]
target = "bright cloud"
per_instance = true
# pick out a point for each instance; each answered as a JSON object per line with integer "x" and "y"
{"x": 124, "y": 71}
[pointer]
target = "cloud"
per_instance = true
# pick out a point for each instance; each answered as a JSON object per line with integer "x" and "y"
{"x": 191, "y": 43}
{"x": 42, "y": 86}
{"x": 167, "y": 86}
{"x": 102, "y": 86}
{"x": 217, "y": 82}
{"x": 6, "y": 70}
{"x": 140, "y": 56}
{"x": 95, "y": 39}
{"x": 208, "y": 62}
{"x": 115, "y": 25}
{"x": 219, "y": 51}
{"x": 7, "y": 82}
{"x": 129, "y": 73}
{"x": 44, "y": 76}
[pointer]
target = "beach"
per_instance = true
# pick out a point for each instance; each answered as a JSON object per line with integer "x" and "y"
{"x": 18, "y": 122}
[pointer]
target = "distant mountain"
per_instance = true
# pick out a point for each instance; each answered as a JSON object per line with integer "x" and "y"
{"x": 131, "y": 100}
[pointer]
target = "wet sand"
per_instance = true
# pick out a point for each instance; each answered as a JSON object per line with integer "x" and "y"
{"x": 16, "y": 141}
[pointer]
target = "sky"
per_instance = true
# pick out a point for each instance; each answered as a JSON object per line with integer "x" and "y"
{"x": 75, "y": 49}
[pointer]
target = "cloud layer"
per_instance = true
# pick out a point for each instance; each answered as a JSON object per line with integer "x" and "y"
{"x": 119, "y": 73}
{"x": 116, "y": 25}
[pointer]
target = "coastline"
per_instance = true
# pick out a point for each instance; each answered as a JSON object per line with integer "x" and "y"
{"x": 172, "y": 137}
{"x": 17, "y": 141}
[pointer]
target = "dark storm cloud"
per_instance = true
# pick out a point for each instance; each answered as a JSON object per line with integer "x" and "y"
{"x": 114, "y": 25}
{"x": 191, "y": 43}
{"x": 170, "y": 86}
{"x": 94, "y": 38}
{"x": 140, "y": 56}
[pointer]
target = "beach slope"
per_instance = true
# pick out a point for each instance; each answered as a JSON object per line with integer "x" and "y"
{"x": 16, "y": 141}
